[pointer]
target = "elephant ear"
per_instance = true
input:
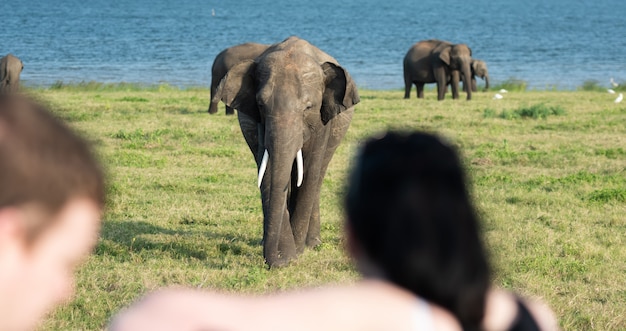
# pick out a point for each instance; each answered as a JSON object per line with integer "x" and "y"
{"x": 238, "y": 89}
{"x": 443, "y": 52}
{"x": 340, "y": 92}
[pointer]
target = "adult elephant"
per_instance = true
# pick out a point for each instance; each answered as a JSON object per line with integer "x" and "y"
{"x": 294, "y": 102}
{"x": 227, "y": 59}
{"x": 437, "y": 61}
{"x": 10, "y": 69}
{"x": 479, "y": 69}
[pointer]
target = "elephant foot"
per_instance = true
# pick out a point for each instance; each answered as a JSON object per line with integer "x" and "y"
{"x": 313, "y": 242}
{"x": 279, "y": 261}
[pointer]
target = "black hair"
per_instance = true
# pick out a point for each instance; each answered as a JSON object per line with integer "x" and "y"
{"x": 409, "y": 209}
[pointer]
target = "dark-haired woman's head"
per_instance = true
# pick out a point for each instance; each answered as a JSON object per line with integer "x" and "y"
{"x": 411, "y": 216}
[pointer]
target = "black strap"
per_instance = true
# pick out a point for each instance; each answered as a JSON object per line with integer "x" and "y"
{"x": 524, "y": 320}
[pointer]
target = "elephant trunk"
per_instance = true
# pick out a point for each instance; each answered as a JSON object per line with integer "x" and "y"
{"x": 486, "y": 82}
{"x": 282, "y": 150}
{"x": 467, "y": 80}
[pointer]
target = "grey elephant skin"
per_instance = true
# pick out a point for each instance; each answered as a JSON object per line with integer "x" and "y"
{"x": 10, "y": 69}
{"x": 227, "y": 59}
{"x": 294, "y": 97}
{"x": 437, "y": 61}
{"x": 479, "y": 69}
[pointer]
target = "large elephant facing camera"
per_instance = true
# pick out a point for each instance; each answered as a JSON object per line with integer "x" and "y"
{"x": 294, "y": 104}
{"x": 10, "y": 69}
{"x": 437, "y": 61}
{"x": 227, "y": 59}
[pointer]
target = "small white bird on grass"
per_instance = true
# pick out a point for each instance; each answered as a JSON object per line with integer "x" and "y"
{"x": 613, "y": 83}
{"x": 611, "y": 91}
{"x": 498, "y": 96}
{"x": 503, "y": 91}
{"x": 619, "y": 98}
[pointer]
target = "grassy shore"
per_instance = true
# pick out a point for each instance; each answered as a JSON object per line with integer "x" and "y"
{"x": 548, "y": 168}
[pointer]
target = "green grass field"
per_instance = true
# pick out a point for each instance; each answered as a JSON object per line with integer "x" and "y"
{"x": 548, "y": 171}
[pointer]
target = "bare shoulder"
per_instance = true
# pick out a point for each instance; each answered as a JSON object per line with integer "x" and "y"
{"x": 501, "y": 311}
{"x": 443, "y": 320}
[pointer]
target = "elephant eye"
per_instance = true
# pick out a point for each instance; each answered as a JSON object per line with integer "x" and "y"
{"x": 308, "y": 105}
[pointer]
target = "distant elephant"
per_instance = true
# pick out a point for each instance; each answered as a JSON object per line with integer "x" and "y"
{"x": 479, "y": 68}
{"x": 227, "y": 59}
{"x": 437, "y": 61}
{"x": 10, "y": 70}
{"x": 294, "y": 102}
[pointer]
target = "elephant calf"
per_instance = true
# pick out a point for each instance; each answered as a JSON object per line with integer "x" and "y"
{"x": 10, "y": 69}
{"x": 479, "y": 69}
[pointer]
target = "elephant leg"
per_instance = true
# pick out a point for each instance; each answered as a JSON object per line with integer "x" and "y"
{"x": 250, "y": 130}
{"x": 420, "y": 90}
{"x": 286, "y": 244}
{"x": 407, "y": 87}
{"x": 213, "y": 103}
{"x": 441, "y": 91}
{"x": 306, "y": 196}
{"x": 230, "y": 111}
{"x": 454, "y": 84}
{"x": 340, "y": 125}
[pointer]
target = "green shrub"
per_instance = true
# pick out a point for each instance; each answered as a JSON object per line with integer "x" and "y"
{"x": 534, "y": 111}
{"x": 511, "y": 84}
{"x": 591, "y": 85}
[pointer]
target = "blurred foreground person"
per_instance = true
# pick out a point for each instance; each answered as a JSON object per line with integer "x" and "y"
{"x": 411, "y": 221}
{"x": 51, "y": 196}
{"x": 410, "y": 226}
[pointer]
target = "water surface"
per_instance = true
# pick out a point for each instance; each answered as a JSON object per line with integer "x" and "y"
{"x": 549, "y": 44}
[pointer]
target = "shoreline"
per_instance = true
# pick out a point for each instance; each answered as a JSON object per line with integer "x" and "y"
{"x": 512, "y": 85}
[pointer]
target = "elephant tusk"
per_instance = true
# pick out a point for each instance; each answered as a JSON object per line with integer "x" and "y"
{"x": 300, "y": 167}
{"x": 263, "y": 166}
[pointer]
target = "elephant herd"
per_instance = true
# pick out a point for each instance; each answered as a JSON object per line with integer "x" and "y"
{"x": 444, "y": 63}
{"x": 294, "y": 104}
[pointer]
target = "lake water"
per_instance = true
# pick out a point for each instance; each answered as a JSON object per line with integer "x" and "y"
{"x": 548, "y": 43}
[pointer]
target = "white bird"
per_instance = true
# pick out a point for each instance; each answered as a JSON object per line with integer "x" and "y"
{"x": 619, "y": 98}
{"x": 610, "y": 91}
{"x": 613, "y": 83}
{"x": 503, "y": 91}
{"x": 497, "y": 96}
{"x": 212, "y": 12}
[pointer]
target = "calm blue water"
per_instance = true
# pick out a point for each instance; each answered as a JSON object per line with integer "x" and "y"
{"x": 548, "y": 43}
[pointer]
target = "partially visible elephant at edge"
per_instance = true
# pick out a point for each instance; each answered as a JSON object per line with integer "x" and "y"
{"x": 227, "y": 59}
{"x": 437, "y": 61}
{"x": 294, "y": 104}
{"x": 10, "y": 69}
{"x": 479, "y": 69}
